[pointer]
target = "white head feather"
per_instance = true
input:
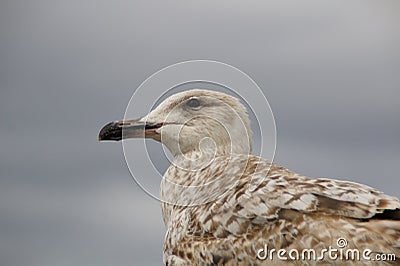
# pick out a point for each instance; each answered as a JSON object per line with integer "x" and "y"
{"x": 202, "y": 120}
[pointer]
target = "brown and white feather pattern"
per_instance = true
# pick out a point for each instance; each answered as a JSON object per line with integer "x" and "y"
{"x": 285, "y": 210}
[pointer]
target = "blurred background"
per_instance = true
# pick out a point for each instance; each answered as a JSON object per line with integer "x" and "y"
{"x": 330, "y": 70}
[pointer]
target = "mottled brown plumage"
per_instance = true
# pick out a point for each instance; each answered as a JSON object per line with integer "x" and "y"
{"x": 285, "y": 210}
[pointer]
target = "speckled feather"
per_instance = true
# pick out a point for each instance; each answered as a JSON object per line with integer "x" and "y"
{"x": 285, "y": 210}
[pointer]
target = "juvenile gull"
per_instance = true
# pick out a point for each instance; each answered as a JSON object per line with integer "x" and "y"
{"x": 222, "y": 205}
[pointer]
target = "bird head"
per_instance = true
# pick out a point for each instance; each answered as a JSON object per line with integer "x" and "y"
{"x": 190, "y": 121}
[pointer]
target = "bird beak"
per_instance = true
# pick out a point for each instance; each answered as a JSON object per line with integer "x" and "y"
{"x": 126, "y": 129}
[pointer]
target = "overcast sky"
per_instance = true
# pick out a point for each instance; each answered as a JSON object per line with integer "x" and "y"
{"x": 330, "y": 70}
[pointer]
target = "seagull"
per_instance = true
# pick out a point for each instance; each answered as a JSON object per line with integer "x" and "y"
{"x": 221, "y": 205}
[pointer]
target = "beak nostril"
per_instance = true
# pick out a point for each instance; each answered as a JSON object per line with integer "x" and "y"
{"x": 154, "y": 126}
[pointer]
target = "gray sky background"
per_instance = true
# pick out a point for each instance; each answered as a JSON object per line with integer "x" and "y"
{"x": 330, "y": 70}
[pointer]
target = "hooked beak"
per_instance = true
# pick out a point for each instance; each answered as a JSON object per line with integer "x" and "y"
{"x": 126, "y": 129}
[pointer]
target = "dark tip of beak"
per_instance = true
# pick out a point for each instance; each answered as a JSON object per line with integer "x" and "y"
{"x": 111, "y": 131}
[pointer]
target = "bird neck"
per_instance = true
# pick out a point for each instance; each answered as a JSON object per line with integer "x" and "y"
{"x": 208, "y": 148}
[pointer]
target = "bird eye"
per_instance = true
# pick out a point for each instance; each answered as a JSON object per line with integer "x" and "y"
{"x": 193, "y": 103}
